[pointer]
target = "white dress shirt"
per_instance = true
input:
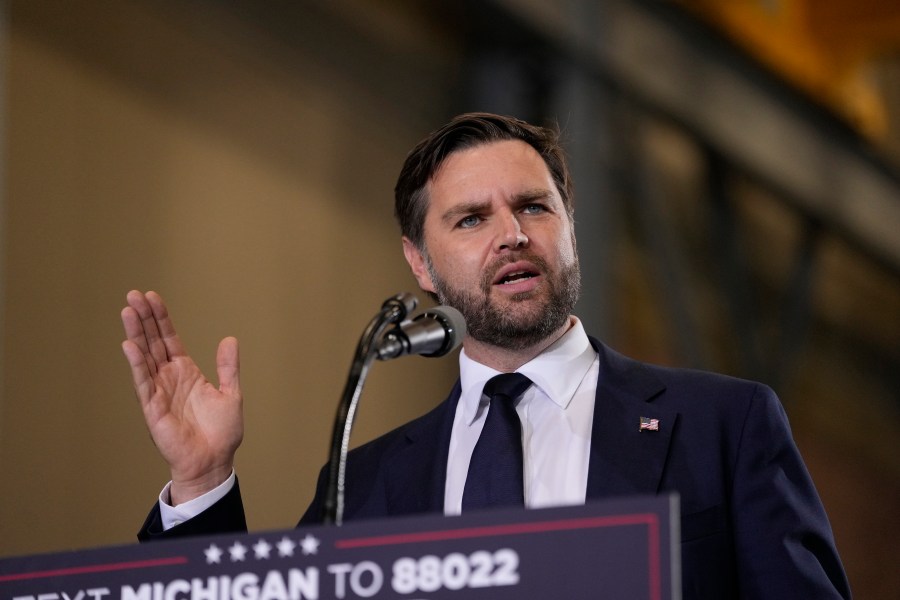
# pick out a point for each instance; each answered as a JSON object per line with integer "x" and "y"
{"x": 556, "y": 414}
{"x": 174, "y": 515}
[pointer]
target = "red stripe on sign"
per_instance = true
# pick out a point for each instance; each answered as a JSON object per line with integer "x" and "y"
{"x": 492, "y": 530}
{"x": 139, "y": 564}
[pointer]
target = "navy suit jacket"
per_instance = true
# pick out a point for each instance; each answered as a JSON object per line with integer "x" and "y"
{"x": 752, "y": 524}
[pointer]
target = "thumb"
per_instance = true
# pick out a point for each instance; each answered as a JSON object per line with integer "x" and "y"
{"x": 228, "y": 367}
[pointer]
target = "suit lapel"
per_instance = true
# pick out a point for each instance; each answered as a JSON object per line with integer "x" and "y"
{"x": 624, "y": 459}
{"x": 416, "y": 473}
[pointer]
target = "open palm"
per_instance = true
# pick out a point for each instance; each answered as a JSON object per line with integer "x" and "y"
{"x": 196, "y": 426}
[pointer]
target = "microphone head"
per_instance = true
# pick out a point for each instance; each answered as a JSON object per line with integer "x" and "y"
{"x": 454, "y": 325}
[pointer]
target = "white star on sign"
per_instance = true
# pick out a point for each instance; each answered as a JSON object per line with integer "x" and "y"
{"x": 213, "y": 554}
{"x": 261, "y": 549}
{"x": 237, "y": 551}
{"x": 286, "y": 547}
{"x": 310, "y": 545}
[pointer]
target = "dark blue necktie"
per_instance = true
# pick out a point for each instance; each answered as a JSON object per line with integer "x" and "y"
{"x": 495, "y": 471}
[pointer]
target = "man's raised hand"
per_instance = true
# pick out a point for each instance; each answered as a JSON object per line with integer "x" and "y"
{"x": 196, "y": 426}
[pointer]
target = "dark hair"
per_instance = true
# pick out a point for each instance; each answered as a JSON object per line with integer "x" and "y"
{"x": 463, "y": 132}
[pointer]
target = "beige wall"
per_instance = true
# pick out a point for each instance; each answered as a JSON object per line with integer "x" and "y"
{"x": 155, "y": 147}
{"x": 241, "y": 162}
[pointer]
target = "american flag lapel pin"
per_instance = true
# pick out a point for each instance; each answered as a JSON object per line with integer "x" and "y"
{"x": 648, "y": 424}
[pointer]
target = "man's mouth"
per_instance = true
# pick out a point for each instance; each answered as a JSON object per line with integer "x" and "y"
{"x": 516, "y": 277}
{"x": 523, "y": 275}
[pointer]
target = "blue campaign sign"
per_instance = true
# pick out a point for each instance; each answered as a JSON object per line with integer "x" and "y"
{"x": 616, "y": 549}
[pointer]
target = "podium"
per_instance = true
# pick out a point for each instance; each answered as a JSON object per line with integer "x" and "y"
{"x": 625, "y": 548}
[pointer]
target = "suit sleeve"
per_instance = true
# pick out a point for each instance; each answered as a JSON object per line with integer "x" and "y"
{"x": 313, "y": 514}
{"x": 784, "y": 544}
{"x": 225, "y": 516}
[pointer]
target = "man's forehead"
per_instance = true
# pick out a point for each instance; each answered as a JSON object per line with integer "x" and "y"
{"x": 495, "y": 148}
{"x": 471, "y": 173}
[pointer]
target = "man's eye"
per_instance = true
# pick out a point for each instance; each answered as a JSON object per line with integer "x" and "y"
{"x": 533, "y": 209}
{"x": 470, "y": 221}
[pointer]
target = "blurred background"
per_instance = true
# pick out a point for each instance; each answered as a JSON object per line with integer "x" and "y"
{"x": 738, "y": 205}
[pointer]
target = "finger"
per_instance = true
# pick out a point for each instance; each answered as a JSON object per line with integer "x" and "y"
{"x": 140, "y": 373}
{"x": 134, "y": 333}
{"x": 154, "y": 346}
{"x": 166, "y": 328}
{"x": 228, "y": 367}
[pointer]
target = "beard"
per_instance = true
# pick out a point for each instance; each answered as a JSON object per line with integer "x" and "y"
{"x": 514, "y": 326}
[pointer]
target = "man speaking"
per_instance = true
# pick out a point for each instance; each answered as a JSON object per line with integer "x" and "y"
{"x": 542, "y": 414}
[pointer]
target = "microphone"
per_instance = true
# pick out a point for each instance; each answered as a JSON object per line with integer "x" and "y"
{"x": 435, "y": 332}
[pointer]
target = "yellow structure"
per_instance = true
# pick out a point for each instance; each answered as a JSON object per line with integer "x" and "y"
{"x": 829, "y": 48}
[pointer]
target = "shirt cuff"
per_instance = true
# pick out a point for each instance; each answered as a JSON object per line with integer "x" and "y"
{"x": 175, "y": 515}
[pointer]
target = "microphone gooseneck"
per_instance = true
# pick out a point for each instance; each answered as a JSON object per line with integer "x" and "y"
{"x": 435, "y": 332}
{"x": 393, "y": 311}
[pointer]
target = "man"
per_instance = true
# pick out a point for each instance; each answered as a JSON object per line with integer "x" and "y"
{"x": 485, "y": 209}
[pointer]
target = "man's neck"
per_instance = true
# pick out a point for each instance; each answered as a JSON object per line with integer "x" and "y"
{"x": 506, "y": 360}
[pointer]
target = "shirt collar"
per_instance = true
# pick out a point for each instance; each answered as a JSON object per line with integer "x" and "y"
{"x": 557, "y": 371}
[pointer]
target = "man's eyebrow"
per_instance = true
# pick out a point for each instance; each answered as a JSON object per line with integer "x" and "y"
{"x": 479, "y": 206}
{"x": 463, "y": 209}
{"x": 532, "y": 195}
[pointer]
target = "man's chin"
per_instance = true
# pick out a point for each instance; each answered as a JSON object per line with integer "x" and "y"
{"x": 515, "y": 325}
{"x": 514, "y": 336}
{"x": 505, "y": 301}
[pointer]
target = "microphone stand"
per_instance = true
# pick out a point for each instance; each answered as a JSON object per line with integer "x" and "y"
{"x": 393, "y": 311}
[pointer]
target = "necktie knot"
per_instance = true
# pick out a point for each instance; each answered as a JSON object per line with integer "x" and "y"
{"x": 508, "y": 385}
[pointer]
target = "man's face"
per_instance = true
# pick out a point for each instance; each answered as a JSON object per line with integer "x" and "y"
{"x": 499, "y": 245}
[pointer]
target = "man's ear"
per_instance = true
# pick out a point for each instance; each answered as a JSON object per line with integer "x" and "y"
{"x": 417, "y": 263}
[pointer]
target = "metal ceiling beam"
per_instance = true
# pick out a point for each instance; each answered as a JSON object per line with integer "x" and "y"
{"x": 673, "y": 65}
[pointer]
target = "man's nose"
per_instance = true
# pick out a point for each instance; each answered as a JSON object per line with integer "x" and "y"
{"x": 510, "y": 235}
